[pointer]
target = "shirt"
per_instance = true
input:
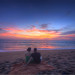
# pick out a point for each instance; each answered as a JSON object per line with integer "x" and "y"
{"x": 36, "y": 57}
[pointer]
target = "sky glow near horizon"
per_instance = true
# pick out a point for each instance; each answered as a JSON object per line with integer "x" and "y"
{"x": 37, "y": 19}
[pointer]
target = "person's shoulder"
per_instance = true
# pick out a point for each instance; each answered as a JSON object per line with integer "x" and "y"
{"x": 27, "y": 53}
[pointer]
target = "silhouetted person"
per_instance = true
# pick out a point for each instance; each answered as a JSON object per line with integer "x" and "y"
{"x": 28, "y": 54}
{"x": 36, "y": 57}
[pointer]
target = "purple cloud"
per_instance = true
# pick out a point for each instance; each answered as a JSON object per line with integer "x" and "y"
{"x": 2, "y": 30}
{"x": 43, "y": 26}
{"x": 68, "y": 32}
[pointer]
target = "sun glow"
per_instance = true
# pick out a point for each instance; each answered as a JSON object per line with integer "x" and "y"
{"x": 33, "y": 33}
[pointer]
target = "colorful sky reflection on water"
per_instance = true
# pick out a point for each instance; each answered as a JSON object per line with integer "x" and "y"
{"x": 41, "y": 44}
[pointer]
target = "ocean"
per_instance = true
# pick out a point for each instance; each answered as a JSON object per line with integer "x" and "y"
{"x": 18, "y": 45}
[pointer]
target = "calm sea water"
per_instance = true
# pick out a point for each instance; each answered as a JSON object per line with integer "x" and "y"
{"x": 13, "y": 45}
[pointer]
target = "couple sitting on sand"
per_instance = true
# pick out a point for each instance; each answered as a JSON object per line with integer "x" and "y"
{"x": 34, "y": 57}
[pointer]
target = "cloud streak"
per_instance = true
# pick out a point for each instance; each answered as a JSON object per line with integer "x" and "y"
{"x": 69, "y": 32}
{"x": 34, "y": 33}
{"x": 2, "y": 30}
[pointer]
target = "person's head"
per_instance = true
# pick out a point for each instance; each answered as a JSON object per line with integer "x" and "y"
{"x": 29, "y": 49}
{"x": 35, "y": 49}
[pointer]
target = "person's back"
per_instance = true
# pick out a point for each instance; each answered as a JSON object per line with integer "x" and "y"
{"x": 36, "y": 56}
{"x": 28, "y": 54}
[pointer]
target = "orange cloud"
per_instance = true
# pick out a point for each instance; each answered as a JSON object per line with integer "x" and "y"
{"x": 66, "y": 37}
{"x": 41, "y": 34}
{"x": 14, "y": 30}
{"x": 34, "y": 33}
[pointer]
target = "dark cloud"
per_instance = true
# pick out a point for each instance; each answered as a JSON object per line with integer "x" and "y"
{"x": 32, "y": 27}
{"x": 2, "y": 30}
{"x": 43, "y": 26}
{"x": 68, "y": 32}
{"x": 50, "y": 30}
{"x": 68, "y": 27}
{"x": 55, "y": 30}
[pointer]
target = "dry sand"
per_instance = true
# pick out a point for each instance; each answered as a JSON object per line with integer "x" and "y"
{"x": 62, "y": 60}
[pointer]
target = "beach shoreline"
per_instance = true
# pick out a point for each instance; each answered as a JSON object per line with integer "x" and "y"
{"x": 13, "y": 55}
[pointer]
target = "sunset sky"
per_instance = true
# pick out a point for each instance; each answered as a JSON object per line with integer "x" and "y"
{"x": 37, "y": 19}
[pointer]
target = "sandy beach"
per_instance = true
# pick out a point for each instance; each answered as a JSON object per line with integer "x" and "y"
{"x": 61, "y": 59}
{"x": 13, "y": 55}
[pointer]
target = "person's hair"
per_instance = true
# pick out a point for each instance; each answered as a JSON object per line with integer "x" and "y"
{"x": 29, "y": 49}
{"x": 35, "y": 49}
